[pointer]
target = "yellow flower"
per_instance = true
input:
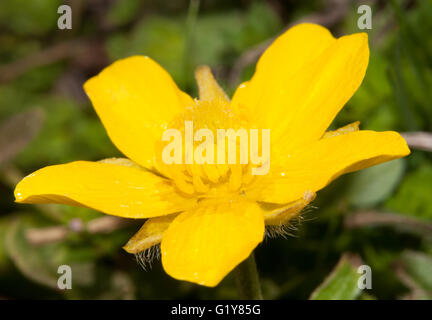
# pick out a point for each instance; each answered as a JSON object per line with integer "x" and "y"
{"x": 209, "y": 218}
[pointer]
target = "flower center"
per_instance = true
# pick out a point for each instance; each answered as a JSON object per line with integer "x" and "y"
{"x": 211, "y": 112}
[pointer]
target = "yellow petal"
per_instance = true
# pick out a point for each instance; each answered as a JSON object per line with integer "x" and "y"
{"x": 315, "y": 166}
{"x": 205, "y": 244}
{"x": 136, "y": 99}
{"x": 149, "y": 235}
{"x": 302, "y": 81}
{"x": 119, "y": 190}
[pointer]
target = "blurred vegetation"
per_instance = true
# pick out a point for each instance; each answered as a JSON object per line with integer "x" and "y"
{"x": 381, "y": 216}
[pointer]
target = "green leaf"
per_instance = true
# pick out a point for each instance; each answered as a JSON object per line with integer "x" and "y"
{"x": 4, "y": 259}
{"x": 372, "y": 95}
{"x": 382, "y": 119}
{"x": 68, "y": 134}
{"x": 17, "y": 132}
{"x": 162, "y": 39}
{"x": 341, "y": 284}
{"x": 418, "y": 266}
{"x": 216, "y": 36}
{"x": 123, "y": 12}
{"x": 27, "y": 260}
{"x": 373, "y": 185}
{"x": 414, "y": 194}
{"x": 40, "y": 263}
{"x": 29, "y": 17}
{"x": 262, "y": 22}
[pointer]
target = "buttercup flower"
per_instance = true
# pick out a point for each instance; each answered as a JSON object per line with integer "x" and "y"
{"x": 208, "y": 218}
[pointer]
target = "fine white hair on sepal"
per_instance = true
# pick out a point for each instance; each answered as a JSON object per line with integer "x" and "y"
{"x": 289, "y": 228}
{"x": 145, "y": 258}
{"x": 285, "y": 230}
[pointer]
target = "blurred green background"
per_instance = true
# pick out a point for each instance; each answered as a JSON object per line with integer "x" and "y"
{"x": 381, "y": 216}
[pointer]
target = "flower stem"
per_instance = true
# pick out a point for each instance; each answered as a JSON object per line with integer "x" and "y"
{"x": 248, "y": 284}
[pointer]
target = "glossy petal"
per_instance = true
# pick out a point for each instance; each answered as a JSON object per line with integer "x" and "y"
{"x": 301, "y": 82}
{"x": 115, "y": 189}
{"x": 136, "y": 99}
{"x": 150, "y": 234}
{"x": 205, "y": 244}
{"x": 315, "y": 166}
